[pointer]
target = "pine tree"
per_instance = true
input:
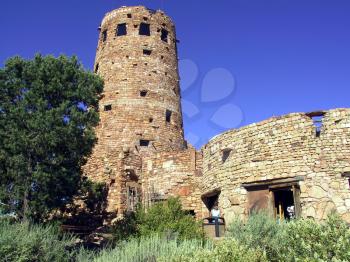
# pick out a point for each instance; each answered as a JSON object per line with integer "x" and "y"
{"x": 48, "y": 111}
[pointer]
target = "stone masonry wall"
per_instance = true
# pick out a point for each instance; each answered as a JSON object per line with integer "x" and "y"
{"x": 283, "y": 147}
{"x": 173, "y": 174}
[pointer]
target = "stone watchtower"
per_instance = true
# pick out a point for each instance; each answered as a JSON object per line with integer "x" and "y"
{"x": 137, "y": 58}
{"x": 140, "y": 110}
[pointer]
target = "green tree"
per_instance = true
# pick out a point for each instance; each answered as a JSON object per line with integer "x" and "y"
{"x": 48, "y": 109}
{"x": 161, "y": 218}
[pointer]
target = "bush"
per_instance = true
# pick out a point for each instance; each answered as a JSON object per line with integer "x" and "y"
{"x": 297, "y": 240}
{"x": 22, "y": 242}
{"x": 308, "y": 240}
{"x": 89, "y": 209}
{"x": 126, "y": 228}
{"x": 151, "y": 248}
{"x": 260, "y": 231}
{"x": 224, "y": 251}
{"x": 161, "y": 218}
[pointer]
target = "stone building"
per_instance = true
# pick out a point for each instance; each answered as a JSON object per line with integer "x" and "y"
{"x": 294, "y": 165}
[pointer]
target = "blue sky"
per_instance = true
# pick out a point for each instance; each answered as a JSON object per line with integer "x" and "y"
{"x": 241, "y": 61}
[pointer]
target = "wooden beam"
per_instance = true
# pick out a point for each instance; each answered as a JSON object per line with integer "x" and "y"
{"x": 273, "y": 182}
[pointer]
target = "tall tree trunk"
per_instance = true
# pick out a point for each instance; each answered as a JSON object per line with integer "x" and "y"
{"x": 27, "y": 185}
{"x": 25, "y": 204}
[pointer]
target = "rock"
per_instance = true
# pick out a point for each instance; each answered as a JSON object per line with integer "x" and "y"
{"x": 234, "y": 201}
{"x": 323, "y": 209}
{"x": 347, "y": 202}
{"x": 346, "y": 217}
{"x": 317, "y": 192}
{"x": 310, "y": 212}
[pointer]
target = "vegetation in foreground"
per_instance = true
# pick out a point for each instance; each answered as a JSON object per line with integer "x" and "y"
{"x": 161, "y": 218}
{"x": 258, "y": 239}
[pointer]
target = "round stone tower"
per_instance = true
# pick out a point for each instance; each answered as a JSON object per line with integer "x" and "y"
{"x": 137, "y": 58}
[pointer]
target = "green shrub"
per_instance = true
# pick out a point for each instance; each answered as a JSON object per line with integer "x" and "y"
{"x": 126, "y": 228}
{"x": 297, "y": 240}
{"x": 151, "y": 248}
{"x": 225, "y": 251}
{"x": 22, "y": 242}
{"x": 161, "y": 218}
{"x": 260, "y": 231}
{"x": 308, "y": 240}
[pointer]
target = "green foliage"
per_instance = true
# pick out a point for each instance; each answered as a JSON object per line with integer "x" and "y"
{"x": 48, "y": 109}
{"x": 90, "y": 209}
{"x": 151, "y": 248}
{"x": 303, "y": 240}
{"x": 162, "y": 218}
{"x": 260, "y": 231}
{"x": 169, "y": 217}
{"x": 297, "y": 240}
{"x": 223, "y": 251}
{"x": 126, "y": 228}
{"x": 22, "y": 242}
{"x": 307, "y": 240}
{"x": 155, "y": 248}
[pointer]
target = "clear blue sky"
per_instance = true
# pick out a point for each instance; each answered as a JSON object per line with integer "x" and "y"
{"x": 284, "y": 55}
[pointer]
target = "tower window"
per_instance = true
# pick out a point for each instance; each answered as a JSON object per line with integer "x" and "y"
{"x": 317, "y": 118}
{"x": 143, "y": 93}
{"x": 226, "y": 154}
{"x": 121, "y": 29}
{"x": 104, "y": 35}
{"x": 150, "y": 119}
{"x": 168, "y": 114}
{"x": 147, "y": 52}
{"x": 107, "y": 107}
{"x": 129, "y": 15}
{"x": 144, "y": 29}
{"x": 164, "y": 35}
{"x": 96, "y": 68}
{"x": 144, "y": 143}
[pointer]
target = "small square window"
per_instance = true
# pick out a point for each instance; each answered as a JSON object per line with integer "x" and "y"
{"x": 104, "y": 35}
{"x": 129, "y": 15}
{"x": 147, "y": 52}
{"x": 143, "y": 93}
{"x": 144, "y": 143}
{"x": 144, "y": 29}
{"x": 121, "y": 30}
{"x": 107, "y": 107}
{"x": 164, "y": 35}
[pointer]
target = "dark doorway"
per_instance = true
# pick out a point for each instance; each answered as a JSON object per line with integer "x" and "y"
{"x": 211, "y": 199}
{"x": 284, "y": 203}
